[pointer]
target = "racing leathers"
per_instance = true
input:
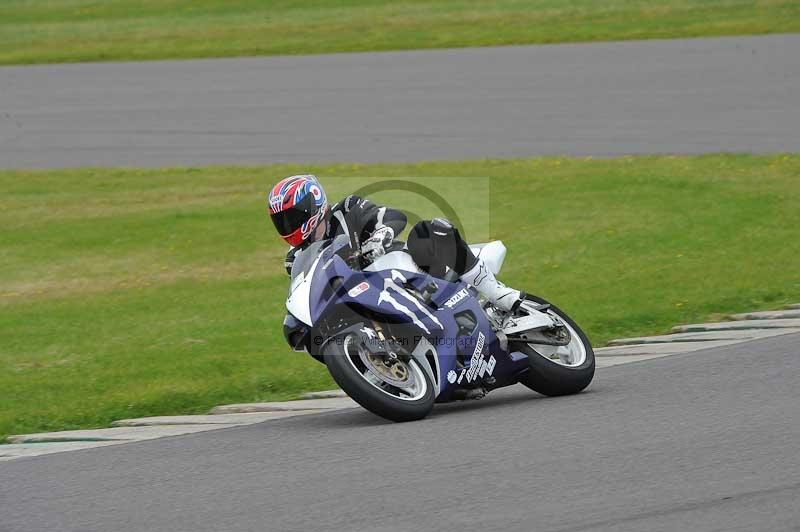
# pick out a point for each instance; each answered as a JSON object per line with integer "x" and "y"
{"x": 435, "y": 245}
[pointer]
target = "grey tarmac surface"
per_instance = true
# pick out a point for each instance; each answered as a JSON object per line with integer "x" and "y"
{"x": 701, "y": 442}
{"x": 737, "y": 94}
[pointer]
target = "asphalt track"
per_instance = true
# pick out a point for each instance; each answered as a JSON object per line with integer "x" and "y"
{"x": 704, "y": 441}
{"x": 738, "y": 94}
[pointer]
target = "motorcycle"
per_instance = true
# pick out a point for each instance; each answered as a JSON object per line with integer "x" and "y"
{"x": 398, "y": 340}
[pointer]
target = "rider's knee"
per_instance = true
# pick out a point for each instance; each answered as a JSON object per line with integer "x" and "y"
{"x": 436, "y": 245}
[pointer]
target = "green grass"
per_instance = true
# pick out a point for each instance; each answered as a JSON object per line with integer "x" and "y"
{"x": 142, "y": 292}
{"x": 91, "y": 30}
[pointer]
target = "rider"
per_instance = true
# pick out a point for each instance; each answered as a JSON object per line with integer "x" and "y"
{"x": 299, "y": 209}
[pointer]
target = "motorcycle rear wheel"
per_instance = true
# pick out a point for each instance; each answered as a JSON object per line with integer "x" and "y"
{"x": 374, "y": 387}
{"x": 558, "y": 371}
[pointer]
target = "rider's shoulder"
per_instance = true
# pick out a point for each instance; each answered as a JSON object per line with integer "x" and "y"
{"x": 346, "y": 204}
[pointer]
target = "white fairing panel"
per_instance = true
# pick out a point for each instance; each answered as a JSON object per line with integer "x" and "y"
{"x": 423, "y": 348}
{"x": 493, "y": 254}
{"x": 298, "y": 303}
{"x": 394, "y": 260}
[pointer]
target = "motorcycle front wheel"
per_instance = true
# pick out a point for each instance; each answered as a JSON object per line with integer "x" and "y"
{"x": 557, "y": 370}
{"x": 391, "y": 388}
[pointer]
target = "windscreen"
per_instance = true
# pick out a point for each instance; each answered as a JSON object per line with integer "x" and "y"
{"x": 305, "y": 258}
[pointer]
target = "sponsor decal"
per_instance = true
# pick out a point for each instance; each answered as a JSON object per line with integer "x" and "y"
{"x": 451, "y": 376}
{"x": 478, "y": 366}
{"x": 457, "y": 298}
{"x": 477, "y": 354}
{"x": 358, "y": 289}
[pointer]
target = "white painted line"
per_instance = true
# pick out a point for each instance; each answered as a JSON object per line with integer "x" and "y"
{"x": 733, "y": 325}
{"x": 672, "y": 348}
{"x": 113, "y": 434}
{"x": 790, "y": 314}
{"x": 311, "y": 404}
{"x": 607, "y": 362}
{"x": 207, "y": 419}
{"x": 705, "y": 336}
{"x": 326, "y": 394}
{"x": 23, "y": 450}
{"x": 130, "y": 430}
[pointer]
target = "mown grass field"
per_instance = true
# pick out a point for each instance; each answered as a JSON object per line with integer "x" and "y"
{"x": 91, "y": 30}
{"x": 141, "y": 292}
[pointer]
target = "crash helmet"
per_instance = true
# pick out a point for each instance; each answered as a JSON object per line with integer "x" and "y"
{"x": 297, "y": 205}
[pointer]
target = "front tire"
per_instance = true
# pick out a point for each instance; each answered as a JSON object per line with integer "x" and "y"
{"x": 347, "y": 368}
{"x": 550, "y": 377}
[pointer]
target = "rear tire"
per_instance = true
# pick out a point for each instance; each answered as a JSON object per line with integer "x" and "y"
{"x": 371, "y": 397}
{"x": 552, "y": 378}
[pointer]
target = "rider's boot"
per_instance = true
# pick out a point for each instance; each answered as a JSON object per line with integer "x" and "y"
{"x": 484, "y": 281}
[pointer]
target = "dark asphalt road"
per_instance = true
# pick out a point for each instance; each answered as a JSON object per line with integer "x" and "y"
{"x": 700, "y": 442}
{"x": 684, "y": 96}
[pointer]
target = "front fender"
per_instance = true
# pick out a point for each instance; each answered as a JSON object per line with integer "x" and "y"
{"x": 354, "y": 329}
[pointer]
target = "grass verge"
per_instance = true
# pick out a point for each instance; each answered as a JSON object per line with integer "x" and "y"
{"x": 143, "y": 292}
{"x": 84, "y": 30}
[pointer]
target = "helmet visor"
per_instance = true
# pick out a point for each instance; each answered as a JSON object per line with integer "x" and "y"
{"x": 288, "y": 221}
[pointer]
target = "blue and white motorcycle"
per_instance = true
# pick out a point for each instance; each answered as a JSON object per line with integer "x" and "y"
{"x": 397, "y": 340}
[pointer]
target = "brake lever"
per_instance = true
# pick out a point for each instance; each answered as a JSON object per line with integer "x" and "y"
{"x": 354, "y": 260}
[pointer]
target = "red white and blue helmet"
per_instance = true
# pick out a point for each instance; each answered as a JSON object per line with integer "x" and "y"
{"x": 297, "y": 204}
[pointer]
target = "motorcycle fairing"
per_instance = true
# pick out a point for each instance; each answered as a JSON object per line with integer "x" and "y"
{"x": 462, "y": 358}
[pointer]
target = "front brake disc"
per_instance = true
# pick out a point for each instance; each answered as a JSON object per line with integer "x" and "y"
{"x": 391, "y": 371}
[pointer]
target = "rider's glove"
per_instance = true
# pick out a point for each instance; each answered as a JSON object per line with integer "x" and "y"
{"x": 375, "y": 246}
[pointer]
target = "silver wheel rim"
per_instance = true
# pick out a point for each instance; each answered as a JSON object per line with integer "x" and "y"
{"x": 571, "y": 355}
{"x": 415, "y": 384}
